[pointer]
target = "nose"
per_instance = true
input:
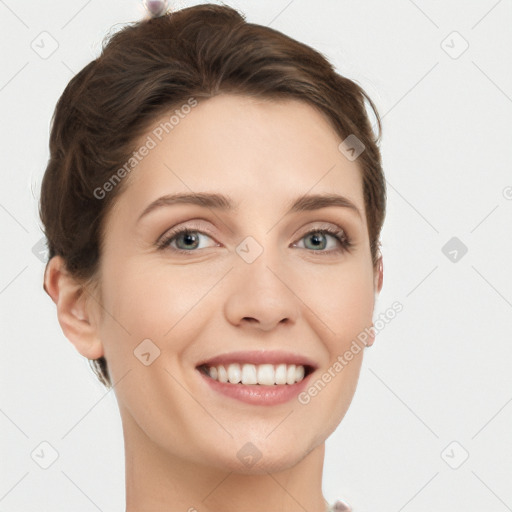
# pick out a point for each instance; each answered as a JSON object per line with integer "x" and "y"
{"x": 261, "y": 295}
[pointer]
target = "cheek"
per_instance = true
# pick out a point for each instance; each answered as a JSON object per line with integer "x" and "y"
{"x": 149, "y": 301}
{"x": 346, "y": 307}
{"x": 137, "y": 293}
{"x": 342, "y": 298}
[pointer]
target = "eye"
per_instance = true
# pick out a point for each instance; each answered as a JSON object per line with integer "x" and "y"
{"x": 186, "y": 239}
{"x": 317, "y": 237}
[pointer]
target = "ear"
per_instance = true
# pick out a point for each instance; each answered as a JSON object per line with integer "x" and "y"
{"x": 74, "y": 309}
{"x": 378, "y": 276}
{"x": 377, "y": 286}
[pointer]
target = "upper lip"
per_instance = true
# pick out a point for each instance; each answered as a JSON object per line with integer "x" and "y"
{"x": 260, "y": 357}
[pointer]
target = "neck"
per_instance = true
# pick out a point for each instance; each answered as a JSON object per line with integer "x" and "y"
{"x": 157, "y": 480}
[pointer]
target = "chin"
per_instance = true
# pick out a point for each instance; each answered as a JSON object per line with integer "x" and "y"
{"x": 265, "y": 464}
{"x": 263, "y": 454}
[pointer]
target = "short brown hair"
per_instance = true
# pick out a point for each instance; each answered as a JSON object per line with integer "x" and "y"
{"x": 155, "y": 64}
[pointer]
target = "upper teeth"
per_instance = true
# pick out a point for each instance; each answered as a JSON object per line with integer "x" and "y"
{"x": 265, "y": 374}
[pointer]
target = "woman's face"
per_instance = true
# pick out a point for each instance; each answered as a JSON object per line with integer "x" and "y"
{"x": 254, "y": 278}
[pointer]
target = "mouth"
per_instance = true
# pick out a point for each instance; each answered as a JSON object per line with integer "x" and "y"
{"x": 249, "y": 374}
{"x": 258, "y": 372}
{"x": 261, "y": 378}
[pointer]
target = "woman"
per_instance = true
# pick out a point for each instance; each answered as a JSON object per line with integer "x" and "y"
{"x": 213, "y": 203}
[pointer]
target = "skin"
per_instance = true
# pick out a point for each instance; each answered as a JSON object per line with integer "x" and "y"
{"x": 181, "y": 438}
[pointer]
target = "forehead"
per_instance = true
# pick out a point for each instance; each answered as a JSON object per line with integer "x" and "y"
{"x": 251, "y": 149}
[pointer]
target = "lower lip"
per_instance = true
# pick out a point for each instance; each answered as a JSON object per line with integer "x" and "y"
{"x": 257, "y": 394}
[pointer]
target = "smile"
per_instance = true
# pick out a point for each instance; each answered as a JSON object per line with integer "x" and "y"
{"x": 261, "y": 374}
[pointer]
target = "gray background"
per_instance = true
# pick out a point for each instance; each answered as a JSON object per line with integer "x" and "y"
{"x": 431, "y": 422}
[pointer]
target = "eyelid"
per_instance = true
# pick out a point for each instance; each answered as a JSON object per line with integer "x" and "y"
{"x": 322, "y": 225}
{"x": 191, "y": 225}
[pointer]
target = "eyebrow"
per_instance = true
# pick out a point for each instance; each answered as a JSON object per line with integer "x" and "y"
{"x": 221, "y": 202}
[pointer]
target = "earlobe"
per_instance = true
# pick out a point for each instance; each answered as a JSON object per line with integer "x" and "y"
{"x": 73, "y": 312}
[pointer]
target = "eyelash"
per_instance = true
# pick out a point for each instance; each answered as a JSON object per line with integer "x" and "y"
{"x": 338, "y": 234}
